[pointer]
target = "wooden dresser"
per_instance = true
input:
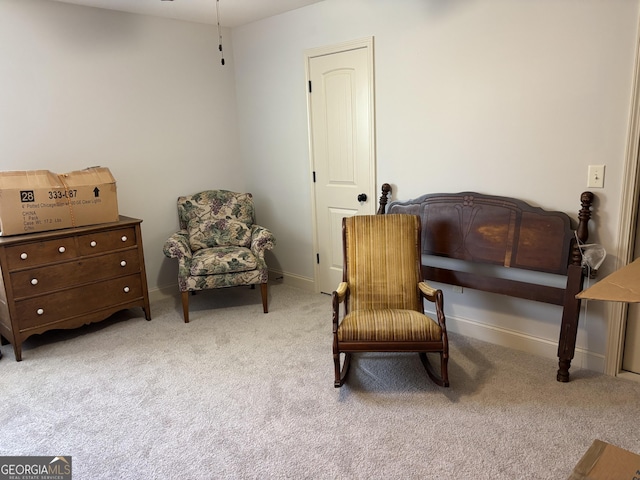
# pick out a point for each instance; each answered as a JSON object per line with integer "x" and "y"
{"x": 68, "y": 278}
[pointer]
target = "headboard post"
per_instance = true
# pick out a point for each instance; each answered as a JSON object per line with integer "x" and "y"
{"x": 386, "y": 190}
{"x": 582, "y": 232}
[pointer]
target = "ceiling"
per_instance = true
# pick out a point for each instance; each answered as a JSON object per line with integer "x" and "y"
{"x": 232, "y": 12}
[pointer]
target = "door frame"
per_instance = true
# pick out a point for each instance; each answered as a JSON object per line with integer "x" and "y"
{"x": 617, "y": 311}
{"x": 366, "y": 42}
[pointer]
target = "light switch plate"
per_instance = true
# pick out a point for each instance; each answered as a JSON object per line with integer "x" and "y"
{"x": 596, "y": 176}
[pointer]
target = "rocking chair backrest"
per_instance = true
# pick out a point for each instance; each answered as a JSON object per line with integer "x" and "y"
{"x": 382, "y": 261}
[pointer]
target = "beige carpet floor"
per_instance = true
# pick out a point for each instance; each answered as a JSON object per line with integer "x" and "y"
{"x": 240, "y": 394}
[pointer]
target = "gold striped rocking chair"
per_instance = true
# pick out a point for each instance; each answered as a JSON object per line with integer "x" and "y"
{"x": 382, "y": 292}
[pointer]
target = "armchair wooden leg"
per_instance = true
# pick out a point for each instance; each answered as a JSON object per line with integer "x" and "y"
{"x": 185, "y": 306}
{"x": 263, "y": 290}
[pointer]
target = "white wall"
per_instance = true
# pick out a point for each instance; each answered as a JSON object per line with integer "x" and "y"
{"x": 510, "y": 98}
{"x": 144, "y": 96}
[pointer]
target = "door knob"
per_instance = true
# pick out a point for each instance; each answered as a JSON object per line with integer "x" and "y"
{"x": 362, "y": 197}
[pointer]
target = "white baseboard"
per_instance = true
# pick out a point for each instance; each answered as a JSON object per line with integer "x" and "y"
{"x": 161, "y": 293}
{"x": 523, "y": 342}
{"x": 634, "y": 377}
{"x": 298, "y": 281}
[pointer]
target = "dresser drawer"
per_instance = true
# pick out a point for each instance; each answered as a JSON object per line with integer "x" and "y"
{"x": 99, "y": 242}
{"x": 40, "y": 253}
{"x": 40, "y": 280}
{"x": 55, "y": 307}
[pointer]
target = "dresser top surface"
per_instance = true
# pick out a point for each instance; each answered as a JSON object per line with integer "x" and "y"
{"x": 65, "y": 232}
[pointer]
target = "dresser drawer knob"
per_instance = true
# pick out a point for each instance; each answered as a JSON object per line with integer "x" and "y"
{"x": 34, "y": 281}
{"x": 62, "y": 249}
{"x": 123, "y": 263}
{"x": 124, "y": 238}
{"x": 40, "y": 311}
{"x": 23, "y": 256}
{"x": 93, "y": 243}
{"x": 126, "y": 289}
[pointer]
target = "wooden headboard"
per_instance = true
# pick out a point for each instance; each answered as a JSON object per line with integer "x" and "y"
{"x": 509, "y": 233}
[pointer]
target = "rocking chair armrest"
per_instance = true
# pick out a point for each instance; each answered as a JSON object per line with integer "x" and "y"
{"x": 341, "y": 291}
{"x": 428, "y": 291}
{"x": 177, "y": 246}
{"x": 337, "y": 297}
{"x": 434, "y": 295}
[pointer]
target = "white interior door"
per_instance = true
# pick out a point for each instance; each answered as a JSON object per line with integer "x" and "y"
{"x": 631, "y": 352}
{"x": 342, "y": 147}
{"x": 619, "y": 315}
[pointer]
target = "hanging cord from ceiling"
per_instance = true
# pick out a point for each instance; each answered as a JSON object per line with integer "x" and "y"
{"x": 219, "y": 32}
{"x": 219, "y": 29}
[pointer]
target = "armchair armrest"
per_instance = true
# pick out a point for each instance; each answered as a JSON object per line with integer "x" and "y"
{"x": 261, "y": 240}
{"x": 177, "y": 246}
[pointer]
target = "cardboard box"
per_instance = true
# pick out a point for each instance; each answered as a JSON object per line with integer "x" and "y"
{"x": 40, "y": 200}
{"x": 604, "y": 461}
{"x": 623, "y": 285}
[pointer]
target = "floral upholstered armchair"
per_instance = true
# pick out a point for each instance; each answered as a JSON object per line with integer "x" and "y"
{"x": 218, "y": 244}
